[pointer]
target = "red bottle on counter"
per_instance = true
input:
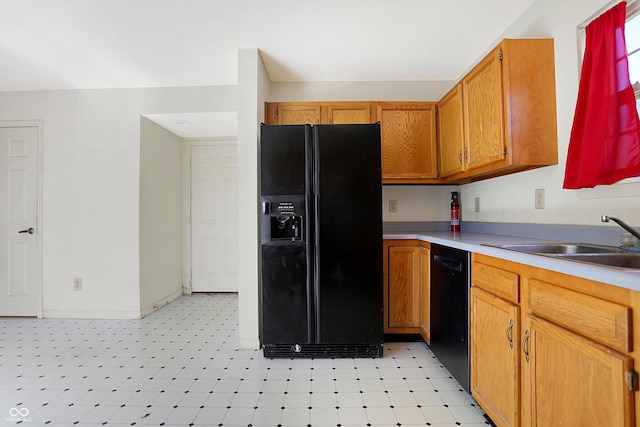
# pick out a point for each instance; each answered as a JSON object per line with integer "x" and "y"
{"x": 455, "y": 212}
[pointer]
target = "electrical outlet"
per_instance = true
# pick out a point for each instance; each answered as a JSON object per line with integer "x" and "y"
{"x": 539, "y": 198}
{"x": 477, "y": 201}
{"x": 77, "y": 284}
{"x": 393, "y": 205}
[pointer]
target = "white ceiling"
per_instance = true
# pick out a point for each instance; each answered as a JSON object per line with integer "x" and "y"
{"x": 84, "y": 44}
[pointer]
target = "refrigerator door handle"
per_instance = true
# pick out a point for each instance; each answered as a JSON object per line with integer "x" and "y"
{"x": 316, "y": 262}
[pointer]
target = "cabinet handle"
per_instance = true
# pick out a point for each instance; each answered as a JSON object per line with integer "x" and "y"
{"x": 509, "y": 333}
{"x": 525, "y": 345}
{"x": 466, "y": 154}
{"x": 460, "y": 156}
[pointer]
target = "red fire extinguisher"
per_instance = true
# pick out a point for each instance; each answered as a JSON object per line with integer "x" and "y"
{"x": 455, "y": 212}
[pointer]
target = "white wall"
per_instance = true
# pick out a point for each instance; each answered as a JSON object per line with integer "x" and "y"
{"x": 417, "y": 202}
{"x": 359, "y": 91}
{"x": 253, "y": 88}
{"x": 91, "y": 168}
{"x": 160, "y": 216}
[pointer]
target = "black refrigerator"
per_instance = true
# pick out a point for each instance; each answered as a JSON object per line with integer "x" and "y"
{"x": 321, "y": 241}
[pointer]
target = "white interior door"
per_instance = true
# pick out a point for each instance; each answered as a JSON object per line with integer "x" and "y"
{"x": 19, "y": 282}
{"x": 214, "y": 218}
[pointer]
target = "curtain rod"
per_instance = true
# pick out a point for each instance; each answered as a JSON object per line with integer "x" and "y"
{"x": 602, "y": 10}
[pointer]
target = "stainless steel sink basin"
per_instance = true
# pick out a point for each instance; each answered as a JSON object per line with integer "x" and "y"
{"x": 624, "y": 260}
{"x": 607, "y": 256}
{"x": 561, "y": 248}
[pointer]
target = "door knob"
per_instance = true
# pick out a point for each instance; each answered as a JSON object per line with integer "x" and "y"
{"x": 29, "y": 230}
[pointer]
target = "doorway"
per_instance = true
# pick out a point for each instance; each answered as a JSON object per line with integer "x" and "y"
{"x": 209, "y": 216}
{"x": 20, "y": 219}
{"x": 214, "y": 217}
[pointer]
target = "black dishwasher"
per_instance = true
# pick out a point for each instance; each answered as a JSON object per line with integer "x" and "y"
{"x": 450, "y": 310}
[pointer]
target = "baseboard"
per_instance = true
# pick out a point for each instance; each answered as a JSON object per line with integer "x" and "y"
{"x": 160, "y": 303}
{"x": 91, "y": 314}
{"x": 249, "y": 344}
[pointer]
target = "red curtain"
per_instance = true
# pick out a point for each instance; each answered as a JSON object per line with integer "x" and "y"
{"x": 605, "y": 138}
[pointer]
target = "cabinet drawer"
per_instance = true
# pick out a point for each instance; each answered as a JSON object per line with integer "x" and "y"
{"x": 602, "y": 321}
{"x": 502, "y": 283}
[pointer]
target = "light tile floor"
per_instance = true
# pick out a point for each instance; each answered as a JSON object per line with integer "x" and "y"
{"x": 180, "y": 366}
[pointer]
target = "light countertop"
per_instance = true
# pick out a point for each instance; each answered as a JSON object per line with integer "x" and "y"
{"x": 475, "y": 242}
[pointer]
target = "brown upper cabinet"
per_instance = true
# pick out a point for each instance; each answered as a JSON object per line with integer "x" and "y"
{"x": 292, "y": 113}
{"x": 408, "y": 142}
{"x": 300, "y": 113}
{"x": 509, "y": 110}
{"x": 451, "y": 132}
{"x": 347, "y": 113}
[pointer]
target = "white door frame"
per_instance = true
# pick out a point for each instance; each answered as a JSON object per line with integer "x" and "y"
{"x": 186, "y": 207}
{"x": 39, "y": 124}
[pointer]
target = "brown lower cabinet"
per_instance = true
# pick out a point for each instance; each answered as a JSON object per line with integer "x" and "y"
{"x": 495, "y": 382}
{"x": 548, "y": 349}
{"x": 406, "y": 287}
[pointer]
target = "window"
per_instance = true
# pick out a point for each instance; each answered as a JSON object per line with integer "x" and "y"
{"x": 632, "y": 37}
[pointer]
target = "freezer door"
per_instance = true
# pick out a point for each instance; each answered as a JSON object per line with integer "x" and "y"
{"x": 348, "y": 205}
{"x": 284, "y": 160}
{"x": 285, "y": 188}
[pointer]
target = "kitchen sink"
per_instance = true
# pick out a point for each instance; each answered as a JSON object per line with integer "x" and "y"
{"x": 608, "y": 256}
{"x": 561, "y": 248}
{"x": 625, "y": 260}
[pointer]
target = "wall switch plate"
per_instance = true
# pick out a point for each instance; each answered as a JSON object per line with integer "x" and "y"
{"x": 477, "y": 202}
{"x": 539, "y": 198}
{"x": 393, "y": 205}
{"x": 77, "y": 284}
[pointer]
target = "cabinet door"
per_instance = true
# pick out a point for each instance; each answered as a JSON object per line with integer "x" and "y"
{"x": 495, "y": 357}
{"x": 425, "y": 293}
{"x": 297, "y": 114}
{"x": 408, "y": 141}
{"x": 404, "y": 287}
{"x": 574, "y": 381}
{"x": 484, "y": 112}
{"x": 451, "y": 132}
{"x": 348, "y": 113}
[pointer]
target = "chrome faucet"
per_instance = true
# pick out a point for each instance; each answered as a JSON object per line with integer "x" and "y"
{"x": 621, "y": 223}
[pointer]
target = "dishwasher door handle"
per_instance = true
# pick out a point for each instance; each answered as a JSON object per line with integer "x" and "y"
{"x": 449, "y": 263}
